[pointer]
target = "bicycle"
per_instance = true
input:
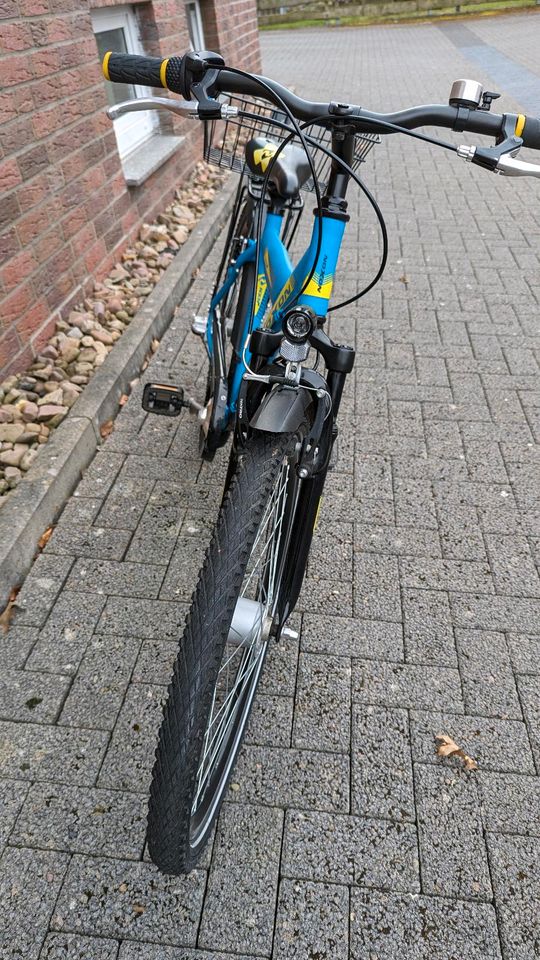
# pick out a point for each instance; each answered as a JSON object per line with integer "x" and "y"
{"x": 265, "y": 318}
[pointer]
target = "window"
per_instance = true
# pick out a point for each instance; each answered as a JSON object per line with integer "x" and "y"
{"x": 195, "y": 28}
{"x": 116, "y": 28}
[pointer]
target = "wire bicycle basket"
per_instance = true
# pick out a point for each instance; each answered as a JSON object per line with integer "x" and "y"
{"x": 225, "y": 140}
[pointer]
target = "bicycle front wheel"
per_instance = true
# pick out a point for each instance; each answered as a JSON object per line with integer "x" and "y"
{"x": 221, "y": 656}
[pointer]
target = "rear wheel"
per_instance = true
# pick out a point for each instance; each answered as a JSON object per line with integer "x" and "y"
{"x": 228, "y": 629}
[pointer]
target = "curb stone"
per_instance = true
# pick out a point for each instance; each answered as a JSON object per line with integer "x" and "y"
{"x": 36, "y": 501}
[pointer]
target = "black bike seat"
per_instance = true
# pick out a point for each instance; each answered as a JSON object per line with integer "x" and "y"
{"x": 289, "y": 172}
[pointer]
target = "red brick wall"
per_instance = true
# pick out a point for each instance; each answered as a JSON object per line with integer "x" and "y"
{"x": 65, "y": 210}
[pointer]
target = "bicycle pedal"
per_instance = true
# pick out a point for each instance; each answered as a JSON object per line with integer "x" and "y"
{"x": 163, "y": 399}
{"x": 199, "y": 325}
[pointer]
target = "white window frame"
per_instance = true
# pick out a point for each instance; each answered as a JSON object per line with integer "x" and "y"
{"x": 199, "y": 24}
{"x": 133, "y": 128}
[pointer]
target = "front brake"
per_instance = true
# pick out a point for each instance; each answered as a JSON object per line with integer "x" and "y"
{"x": 500, "y": 158}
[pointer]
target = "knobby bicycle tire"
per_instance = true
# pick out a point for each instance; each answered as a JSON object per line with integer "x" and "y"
{"x": 191, "y": 696}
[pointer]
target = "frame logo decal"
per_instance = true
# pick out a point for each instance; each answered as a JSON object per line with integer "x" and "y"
{"x": 263, "y": 155}
{"x": 262, "y": 287}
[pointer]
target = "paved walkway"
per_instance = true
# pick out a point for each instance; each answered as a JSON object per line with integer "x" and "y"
{"x": 344, "y": 836}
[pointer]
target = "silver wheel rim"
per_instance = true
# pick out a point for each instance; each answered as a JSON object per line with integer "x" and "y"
{"x": 243, "y": 655}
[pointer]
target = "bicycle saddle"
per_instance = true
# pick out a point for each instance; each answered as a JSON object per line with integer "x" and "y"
{"x": 289, "y": 172}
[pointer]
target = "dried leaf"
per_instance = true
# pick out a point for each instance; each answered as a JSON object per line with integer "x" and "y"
{"x": 106, "y": 429}
{"x": 404, "y": 279}
{"x": 7, "y": 612}
{"x": 123, "y": 887}
{"x": 449, "y": 748}
{"x": 123, "y": 400}
{"x": 138, "y": 909}
{"x": 45, "y": 537}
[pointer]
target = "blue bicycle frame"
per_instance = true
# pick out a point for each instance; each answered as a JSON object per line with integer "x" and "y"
{"x": 278, "y": 281}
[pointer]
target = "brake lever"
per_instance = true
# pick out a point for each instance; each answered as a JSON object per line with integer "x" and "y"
{"x": 184, "y": 108}
{"x": 509, "y": 167}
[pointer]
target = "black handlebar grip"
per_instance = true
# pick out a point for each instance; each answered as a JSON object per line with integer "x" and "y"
{"x": 147, "y": 71}
{"x": 530, "y": 132}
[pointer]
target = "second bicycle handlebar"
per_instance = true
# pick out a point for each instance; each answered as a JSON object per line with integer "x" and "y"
{"x": 171, "y": 73}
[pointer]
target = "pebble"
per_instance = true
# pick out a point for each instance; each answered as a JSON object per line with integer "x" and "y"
{"x": 35, "y": 401}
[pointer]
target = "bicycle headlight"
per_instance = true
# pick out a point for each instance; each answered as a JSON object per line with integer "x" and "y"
{"x": 298, "y": 324}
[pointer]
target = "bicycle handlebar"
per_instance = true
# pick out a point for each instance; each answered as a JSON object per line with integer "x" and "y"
{"x": 179, "y": 74}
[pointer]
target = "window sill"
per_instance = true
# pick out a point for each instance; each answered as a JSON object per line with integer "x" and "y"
{"x": 142, "y": 162}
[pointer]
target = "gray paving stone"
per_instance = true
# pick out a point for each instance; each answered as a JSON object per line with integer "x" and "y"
{"x": 29, "y": 885}
{"x": 116, "y": 579}
{"x": 406, "y": 685}
{"x": 155, "y": 662}
{"x": 381, "y": 767}
{"x": 16, "y": 645}
{"x": 514, "y": 569}
{"x": 377, "y": 594}
{"x": 415, "y": 506}
{"x": 351, "y": 850}
{"x": 99, "y": 542}
{"x": 68, "y": 946}
{"x": 270, "y": 722}
{"x": 452, "y": 849}
{"x": 245, "y": 862}
{"x": 347, "y": 637}
{"x": 279, "y": 673}
{"x": 514, "y": 614}
{"x": 32, "y": 751}
{"x": 429, "y": 637}
{"x": 516, "y": 880}
{"x": 398, "y": 541}
{"x": 98, "y": 690}
{"x": 183, "y": 570}
{"x": 40, "y": 589}
{"x": 277, "y": 777}
{"x": 160, "y": 468}
{"x": 148, "y": 619}
{"x": 100, "y": 475}
{"x": 525, "y": 653}
{"x": 499, "y": 745}
{"x": 31, "y": 697}
{"x": 74, "y": 615}
{"x": 510, "y": 803}
{"x": 323, "y": 703}
{"x": 489, "y": 687}
{"x": 312, "y": 920}
{"x": 130, "y": 950}
{"x": 125, "y": 503}
{"x": 421, "y": 928}
{"x": 12, "y": 794}
{"x": 461, "y": 575}
{"x": 82, "y": 820}
{"x": 529, "y": 693}
{"x": 373, "y": 476}
{"x": 130, "y": 755}
{"x": 326, "y": 596}
{"x": 119, "y": 898}
{"x": 81, "y": 510}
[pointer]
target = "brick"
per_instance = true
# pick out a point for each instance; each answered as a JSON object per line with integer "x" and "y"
{"x": 508, "y": 803}
{"x": 130, "y": 755}
{"x": 494, "y": 613}
{"x": 322, "y": 709}
{"x": 340, "y": 636}
{"x": 498, "y": 745}
{"x": 421, "y": 928}
{"x": 351, "y": 850}
{"x": 377, "y": 588}
{"x": 452, "y": 848}
{"x": 245, "y": 860}
{"x": 171, "y": 906}
{"x": 429, "y": 637}
{"x": 524, "y": 653}
{"x": 98, "y": 690}
{"x": 382, "y": 779}
{"x": 68, "y": 946}
{"x": 312, "y": 918}
{"x": 516, "y": 879}
{"x": 12, "y": 795}
{"x": 29, "y": 884}
{"x": 278, "y": 777}
{"x": 31, "y": 697}
{"x": 39, "y": 752}
{"x": 488, "y": 682}
{"x": 529, "y": 694}
{"x": 405, "y": 685}
{"x": 115, "y": 579}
